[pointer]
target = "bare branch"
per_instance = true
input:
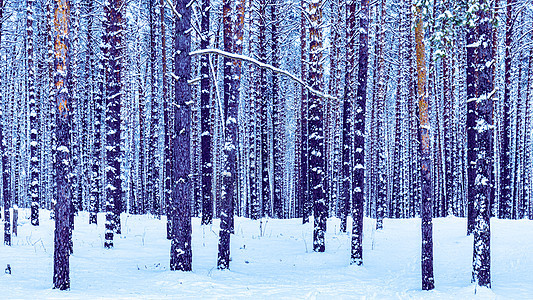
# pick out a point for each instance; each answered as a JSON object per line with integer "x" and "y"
{"x": 262, "y": 65}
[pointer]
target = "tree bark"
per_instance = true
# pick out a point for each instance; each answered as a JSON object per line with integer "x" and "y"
{"x": 113, "y": 68}
{"x": 62, "y": 163}
{"x": 425, "y": 157}
{"x": 483, "y": 150}
{"x": 358, "y": 187}
{"x": 205, "y": 93}
{"x": 181, "y": 250}
{"x": 315, "y": 138}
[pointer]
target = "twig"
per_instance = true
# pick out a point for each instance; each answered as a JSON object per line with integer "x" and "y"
{"x": 174, "y": 9}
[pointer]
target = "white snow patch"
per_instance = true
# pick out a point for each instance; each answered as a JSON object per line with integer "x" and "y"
{"x": 280, "y": 264}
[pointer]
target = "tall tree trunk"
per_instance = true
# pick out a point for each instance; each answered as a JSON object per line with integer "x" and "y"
{"x": 315, "y": 136}
{"x": 153, "y": 170}
{"x": 527, "y": 138}
{"x": 263, "y": 111}
{"x": 277, "y": 116}
{"x": 506, "y": 194}
{"x": 380, "y": 92}
{"x": 425, "y": 157}
{"x": 205, "y": 88}
{"x": 34, "y": 120}
{"x": 483, "y": 150}
{"x": 181, "y": 250}
{"x": 232, "y": 75}
{"x": 359, "y": 126}
{"x": 255, "y": 103}
{"x": 167, "y": 148}
{"x": 63, "y": 107}
{"x": 303, "y": 180}
{"x": 113, "y": 68}
{"x": 4, "y": 151}
{"x": 471, "y": 95}
{"x": 97, "y": 112}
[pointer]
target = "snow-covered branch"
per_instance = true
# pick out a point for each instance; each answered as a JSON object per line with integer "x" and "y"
{"x": 264, "y": 66}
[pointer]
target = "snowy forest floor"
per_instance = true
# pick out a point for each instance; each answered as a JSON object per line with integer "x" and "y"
{"x": 278, "y": 265}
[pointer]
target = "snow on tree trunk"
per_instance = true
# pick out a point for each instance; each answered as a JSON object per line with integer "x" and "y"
{"x": 278, "y": 133}
{"x": 113, "y": 68}
{"x": 263, "y": 112}
{"x": 483, "y": 149}
{"x": 180, "y": 249}
{"x": 471, "y": 94}
{"x": 34, "y": 120}
{"x": 232, "y": 76}
{"x": 152, "y": 184}
{"x": 96, "y": 106}
{"x": 205, "y": 112}
{"x": 358, "y": 153}
{"x": 167, "y": 147}
{"x": 303, "y": 178}
{"x": 380, "y": 92}
{"x": 63, "y": 113}
{"x": 255, "y": 104}
{"x": 506, "y": 194}
{"x": 425, "y": 157}
{"x": 4, "y": 153}
{"x": 527, "y": 137}
{"x": 315, "y": 136}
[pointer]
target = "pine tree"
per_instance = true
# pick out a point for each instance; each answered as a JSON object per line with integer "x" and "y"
{"x": 63, "y": 111}
{"x": 34, "y": 120}
{"x": 232, "y": 76}
{"x": 507, "y": 170}
{"x": 263, "y": 112}
{"x": 471, "y": 94}
{"x": 180, "y": 251}
{"x": 152, "y": 184}
{"x": 255, "y": 99}
{"x": 483, "y": 148}
{"x": 425, "y": 157}
{"x": 6, "y": 174}
{"x": 359, "y": 126}
{"x": 96, "y": 108}
{"x": 113, "y": 69}
{"x": 315, "y": 138}
{"x": 167, "y": 147}
{"x": 303, "y": 176}
{"x": 278, "y": 133}
{"x": 380, "y": 93}
{"x": 347, "y": 110}
{"x": 205, "y": 92}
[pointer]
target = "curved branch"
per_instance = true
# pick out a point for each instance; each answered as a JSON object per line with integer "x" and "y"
{"x": 262, "y": 65}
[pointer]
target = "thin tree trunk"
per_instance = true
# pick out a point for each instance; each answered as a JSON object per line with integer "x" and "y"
{"x": 506, "y": 194}
{"x": 4, "y": 151}
{"x": 471, "y": 94}
{"x": 205, "y": 88}
{"x": 34, "y": 124}
{"x": 380, "y": 123}
{"x": 303, "y": 183}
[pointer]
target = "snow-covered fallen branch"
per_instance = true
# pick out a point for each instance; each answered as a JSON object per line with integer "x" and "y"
{"x": 264, "y": 66}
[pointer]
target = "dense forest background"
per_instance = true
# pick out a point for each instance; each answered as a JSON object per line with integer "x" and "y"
{"x": 447, "y": 98}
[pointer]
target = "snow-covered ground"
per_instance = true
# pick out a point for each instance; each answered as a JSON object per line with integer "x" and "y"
{"x": 279, "y": 264}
